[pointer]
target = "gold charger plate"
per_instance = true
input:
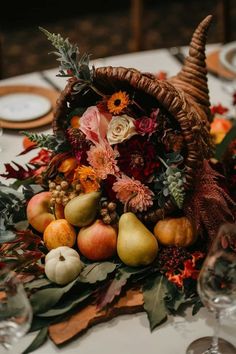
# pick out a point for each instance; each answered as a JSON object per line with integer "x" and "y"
{"x": 50, "y": 94}
{"x": 214, "y": 64}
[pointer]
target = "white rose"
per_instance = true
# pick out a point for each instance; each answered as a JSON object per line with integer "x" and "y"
{"x": 120, "y": 129}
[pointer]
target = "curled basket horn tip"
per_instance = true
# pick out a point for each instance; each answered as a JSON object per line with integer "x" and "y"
{"x": 192, "y": 78}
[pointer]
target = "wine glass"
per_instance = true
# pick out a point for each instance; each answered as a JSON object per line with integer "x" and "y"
{"x": 15, "y": 309}
{"x": 217, "y": 289}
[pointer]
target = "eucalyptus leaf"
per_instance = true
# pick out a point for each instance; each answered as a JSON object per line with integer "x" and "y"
{"x": 174, "y": 298}
{"x": 37, "y": 283}
{"x": 43, "y": 300}
{"x": 38, "y": 341}
{"x": 196, "y": 307}
{"x": 154, "y": 291}
{"x": 21, "y": 225}
{"x": 6, "y": 235}
{"x": 71, "y": 303}
{"x": 10, "y": 192}
{"x": 95, "y": 272}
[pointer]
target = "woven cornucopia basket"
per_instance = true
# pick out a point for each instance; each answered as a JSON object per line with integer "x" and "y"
{"x": 185, "y": 97}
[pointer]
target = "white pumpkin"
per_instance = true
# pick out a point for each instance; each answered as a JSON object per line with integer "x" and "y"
{"x": 62, "y": 265}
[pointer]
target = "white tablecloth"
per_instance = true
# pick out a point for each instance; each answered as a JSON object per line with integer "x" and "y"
{"x": 129, "y": 334}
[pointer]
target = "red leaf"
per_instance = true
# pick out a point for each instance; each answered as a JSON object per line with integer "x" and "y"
{"x": 21, "y": 173}
{"x": 43, "y": 158}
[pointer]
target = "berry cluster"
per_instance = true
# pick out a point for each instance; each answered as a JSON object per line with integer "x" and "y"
{"x": 108, "y": 212}
{"x": 62, "y": 192}
{"x": 172, "y": 258}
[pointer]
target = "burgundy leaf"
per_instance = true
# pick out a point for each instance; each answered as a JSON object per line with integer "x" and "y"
{"x": 28, "y": 149}
{"x": 113, "y": 289}
{"x": 21, "y": 173}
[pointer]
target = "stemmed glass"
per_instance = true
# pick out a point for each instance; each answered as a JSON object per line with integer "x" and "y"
{"x": 217, "y": 289}
{"x": 15, "y": 309}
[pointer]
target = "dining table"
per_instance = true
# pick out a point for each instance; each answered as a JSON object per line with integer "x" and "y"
{"x": 126, "y": 334}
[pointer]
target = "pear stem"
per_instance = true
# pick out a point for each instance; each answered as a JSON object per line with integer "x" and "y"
{"x": 126, "y": 206}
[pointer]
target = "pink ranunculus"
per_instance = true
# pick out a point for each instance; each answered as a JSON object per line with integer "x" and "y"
{"x": 145, "y": 125}
{"x": 94, "y": 124}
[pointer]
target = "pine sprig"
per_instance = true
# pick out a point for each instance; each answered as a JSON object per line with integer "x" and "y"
{"x": 71, "y": 63}
{"x": 48, "y": 141}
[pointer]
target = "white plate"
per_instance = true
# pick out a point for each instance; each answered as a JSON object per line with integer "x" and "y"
{"x": 19, "y": 107}
{"x": 227, "y": 56}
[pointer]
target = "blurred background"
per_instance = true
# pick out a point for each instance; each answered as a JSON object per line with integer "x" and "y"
{"x": 105, "y": 28}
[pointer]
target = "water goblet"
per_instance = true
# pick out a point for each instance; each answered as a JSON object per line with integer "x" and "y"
{"x": 217, "y": 289}
{"x": 15, "y": 310}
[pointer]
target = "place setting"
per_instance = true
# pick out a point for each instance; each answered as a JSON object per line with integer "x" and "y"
{"x": 222, "y": 61}
{"x": 26, "y": 106}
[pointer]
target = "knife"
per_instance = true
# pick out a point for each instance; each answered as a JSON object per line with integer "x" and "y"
{"x": 49, "y": 81}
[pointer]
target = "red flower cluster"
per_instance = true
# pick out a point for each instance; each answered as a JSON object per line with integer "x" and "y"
{"x": 190, "y": 270}
{"x": 219, "y": 109}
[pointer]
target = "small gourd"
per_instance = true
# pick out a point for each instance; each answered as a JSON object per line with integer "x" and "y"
{"x": 175, "y": 232}
{"x": 62, "y": 265}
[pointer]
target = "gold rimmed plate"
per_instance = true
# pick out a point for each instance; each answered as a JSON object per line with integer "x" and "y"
{"x": 26, "y": 107}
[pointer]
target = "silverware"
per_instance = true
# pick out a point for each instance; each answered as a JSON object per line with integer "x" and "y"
{"x": 177, "y": 53}
{"x": 49, "y": 81}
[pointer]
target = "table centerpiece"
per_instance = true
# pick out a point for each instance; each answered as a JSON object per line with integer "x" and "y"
{"x": 116, "y": 212}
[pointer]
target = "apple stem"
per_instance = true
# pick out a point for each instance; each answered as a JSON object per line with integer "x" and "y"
{"x": 61, "y": 258}
{"x": 127, "y": 206}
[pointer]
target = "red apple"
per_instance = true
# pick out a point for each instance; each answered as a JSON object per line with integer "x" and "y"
{"x": 39, "y": 213}
{"x": 98, "y": 241}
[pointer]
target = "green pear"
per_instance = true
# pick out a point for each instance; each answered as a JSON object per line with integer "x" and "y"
{"x": 82, "y": 210}
{"x": 136, "y": 245}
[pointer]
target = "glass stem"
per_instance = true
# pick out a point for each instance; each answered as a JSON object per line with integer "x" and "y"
{"x": 214, "y": 349}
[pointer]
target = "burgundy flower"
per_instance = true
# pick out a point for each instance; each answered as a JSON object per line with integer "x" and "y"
{"x": 138, "y": 158}
{"x": 146, "y": 125}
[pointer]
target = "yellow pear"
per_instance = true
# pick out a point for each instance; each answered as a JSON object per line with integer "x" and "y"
{"x": 136, "y": 245}
{"x": 82, "y": 210}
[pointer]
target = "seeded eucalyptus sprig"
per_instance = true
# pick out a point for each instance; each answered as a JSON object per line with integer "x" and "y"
{"x": 173, "y": 183}
{"x": 72, "y": 64}
{"x": 51, "y": 142}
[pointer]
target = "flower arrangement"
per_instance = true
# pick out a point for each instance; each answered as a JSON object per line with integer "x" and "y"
{"x": 125, "y": 182}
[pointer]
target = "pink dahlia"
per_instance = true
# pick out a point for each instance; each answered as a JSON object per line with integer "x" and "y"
{"x": 129, "y": 190}
{"x": 102, "y": 158}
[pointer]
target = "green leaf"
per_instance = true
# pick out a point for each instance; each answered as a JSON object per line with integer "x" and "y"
{"x": 174, "y": 298}
{"x": 96, "y": 272}
{"x": 6, "y": 235}
{"x": 67, "y": 305}
{"x": 38, "y": 283}
{"x": 43, "y": 300}
{"x": 154, "y": 291}
{"x": 221, "y": 148}
{"x": 38, "y": 341}
{"x": 196, "y": 307}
